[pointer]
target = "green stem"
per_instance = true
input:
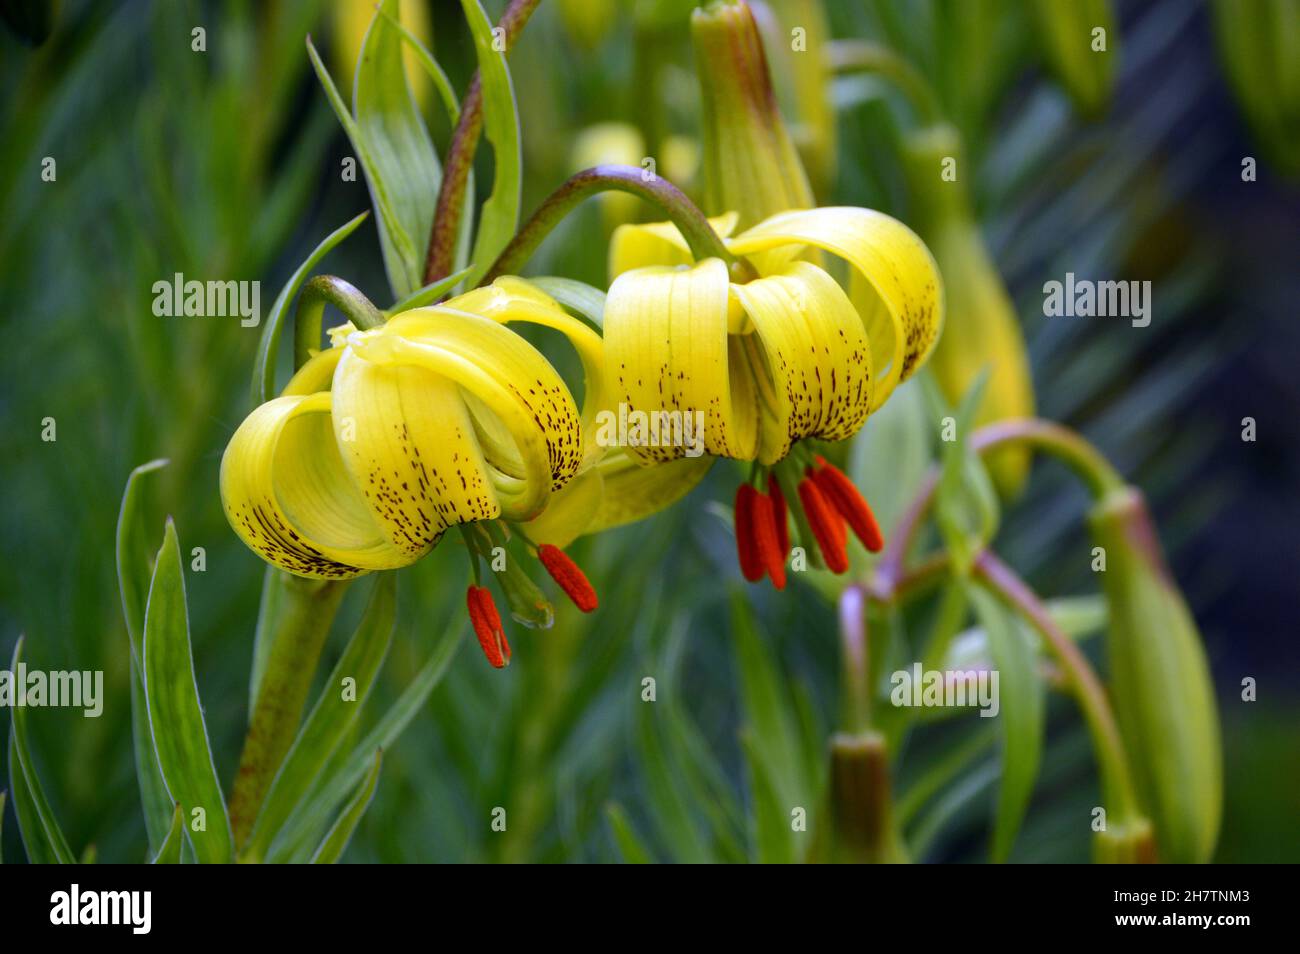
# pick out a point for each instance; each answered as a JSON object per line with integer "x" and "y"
{"x": 854, "y": 648}
{"x": 316, "y": 294}
{"x": 303, "y": 613}
{"x": 1087, "y": 463}
{"x": 1113, "y": 765}
{"x": 690, "y": 221}
{"x": 1067, "y": 445}
{"x": 460, "y": 157}
{"x": 861, "y": 56}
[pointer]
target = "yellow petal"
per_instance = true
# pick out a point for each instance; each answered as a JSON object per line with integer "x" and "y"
{"x": 895, "y": 283}
{"x": 668, "y": 350}
{"x": 815, "y": 362}
{"x": 511, "y": 299}
{"x": 656, "y": 243}
{"x": 633, "y": 491}
{"x": 514, "y": 386}
{"x": 288, "y": 496}
{"x": 617, "y": 491}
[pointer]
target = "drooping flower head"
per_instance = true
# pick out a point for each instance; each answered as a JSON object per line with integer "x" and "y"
{"x": 441, "y": 417}
{"x": 773, "y": 361}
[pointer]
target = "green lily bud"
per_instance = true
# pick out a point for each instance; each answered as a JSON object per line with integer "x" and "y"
{"x": 859, "y": 826}
{"x": 1079, "y": 41}
{"x": 751, "y": 166}
{"x": 1163, "y": 697}
{"x": 1129, "y": 843}
{"x": 1259, "y": 44}
{"x": 798, "y": 40}
{"x": 981, "y": 327}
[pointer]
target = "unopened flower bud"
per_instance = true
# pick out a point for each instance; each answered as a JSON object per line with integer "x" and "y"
{"x": 1163, "y": 696}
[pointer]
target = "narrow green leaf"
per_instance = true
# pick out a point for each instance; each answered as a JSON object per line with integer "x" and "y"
{"x": 499, "y": 219}
{"x": 268, "y": 346}
{"x": 429, "y": 293}
{"x": 336, "y": 840}
{"x": 170, "y": 851}
{"x": 134, "y": 570}
{"x": 429, "y": 64}
{"x": 773, "y": 834}
{"x": 766, "y": 708}
{"x": 134, "y": 551}
{"x": 40, "y": 830}
{"x": 668, "y": 804}
{"x": 582, "y": 299}
{"x": 966, "y": 505}
{"x": 1021, "y": 707}
{"x": 629, "y": 843}
{"x": 334, "y": 787}
{"x": 336, "y": 711}
{"x": 400, "y": 161}
{"x": 175, "y": 715}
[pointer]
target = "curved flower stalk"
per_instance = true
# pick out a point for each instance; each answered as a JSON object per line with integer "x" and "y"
{"x": 769, "y": 363}
{"x": 441, "y": 417}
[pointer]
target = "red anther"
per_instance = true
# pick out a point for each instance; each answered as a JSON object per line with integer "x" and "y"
{"x": 569, "y": 575}
{"x": 841, "y": 494}
{"x": 487, "y": 625}
{"x": 765, "y": 541}
{"x": 826, "y": 524}
{"x": 751, "y": 560}
{"x": 780, "y": 514}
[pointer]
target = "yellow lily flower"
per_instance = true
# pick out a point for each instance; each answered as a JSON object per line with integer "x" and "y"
{"x": 787, "y": 356}
{"x": 441, "y": 417}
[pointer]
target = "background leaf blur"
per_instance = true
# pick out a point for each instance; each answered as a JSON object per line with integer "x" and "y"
{"x": 226, "y": 165}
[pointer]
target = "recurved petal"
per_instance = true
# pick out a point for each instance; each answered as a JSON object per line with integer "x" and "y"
{"x": 511, "y": 299}
{"x": 656, "y": 243}
{"x": 815, "y": 367}
{"x": 525, "y": 425}
{"x": 895, "y": 286}
{"x": 671, "y": 359}
{"x": 288, "y": 496}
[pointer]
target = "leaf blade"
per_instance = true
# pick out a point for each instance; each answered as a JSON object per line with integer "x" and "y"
{"x": 175, "y": 715}
{"x": 336, "y": 840}
{"x": 499, "y": 218}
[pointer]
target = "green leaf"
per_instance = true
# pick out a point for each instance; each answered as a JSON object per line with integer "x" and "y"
{"x": 430, "y": 65}
{"x": 1021, "y": 707}
{"x": 578, "y": 297}
{"x": 499, "y": 219}
{"x": 134, "y": 550}
{"x": 336, "y": 840}
{"x": 268, "y": 345}
{"x": 668, "y": 804}
{"x": 430, "y": 293}
{"x": 966, "y": 505}
{"x": 175, "y": 715}
{"x": 334, "y": 787}
{"x": 772, "y": 741}
{"x": 890, "y": 455}
{"x": 765, "y": 706}
{"x": 773, "y": 834}
{"x": 40, "y": 830}
{"x": 332, "y": 717}
{"x": 170, "y": 851}
{"x": 629, "y": 843}
{"x": 399, "y": 159}
{"x": 134, "y": 571}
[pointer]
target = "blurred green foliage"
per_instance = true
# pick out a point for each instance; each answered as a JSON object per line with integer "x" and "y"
{"x": 226, "y": 164}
